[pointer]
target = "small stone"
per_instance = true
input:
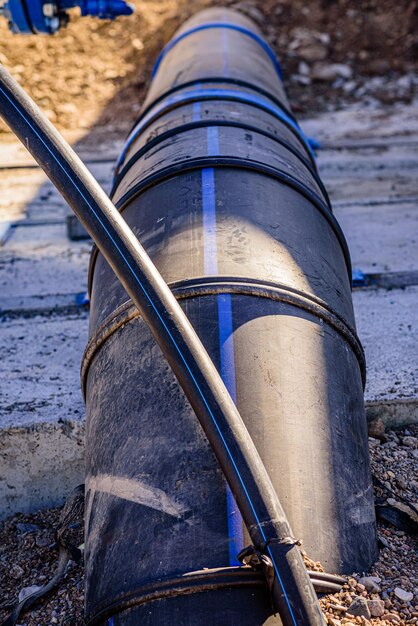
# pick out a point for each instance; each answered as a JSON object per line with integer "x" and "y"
{"x": 329, "y": 72}
{"x": 16, "y": 572}
{"x": 370, "y": 584}
{"x": 350, "y": 86}
{"x": 304, "y": 69}
{"x": 309, "y": 45}
{"x": 405, "y": 596}
{"x": 391, "y": 617}
{"x": 359, "y": 607}
{"x": 411, "y": 442}
{"x": 376, "y": 607}
{"x": 301, "y": 79}
{"x": 376, "y": 429}
{"x": 28, "y": 591}
{"x": 137, "y": 44}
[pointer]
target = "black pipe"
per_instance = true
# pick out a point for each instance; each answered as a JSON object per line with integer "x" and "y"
{"x": 220, "y": 185}
{"x": 267, "y": 525}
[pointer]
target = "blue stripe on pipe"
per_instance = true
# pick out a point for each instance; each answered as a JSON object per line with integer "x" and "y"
{"x": 211, "y": 94}
{"x": 208, "y": 206}
{"x": 209, "y": 221}
{"x": 132, "y": 270}
{"x": 227, "y": 359}
{"x": 226, "y": 345}
{"x": 225, "y": 25}
{"x": 196, "y": 112}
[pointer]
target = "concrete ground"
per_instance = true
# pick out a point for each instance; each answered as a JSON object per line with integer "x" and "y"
{"x": 369, "y": 163}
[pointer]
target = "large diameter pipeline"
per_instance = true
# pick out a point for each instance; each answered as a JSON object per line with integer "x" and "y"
{"x": 292, "y": 587}
{"x": 220, "y": 185}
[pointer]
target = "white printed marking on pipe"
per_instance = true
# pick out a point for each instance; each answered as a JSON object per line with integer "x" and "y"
{"x": 135, "y": 491}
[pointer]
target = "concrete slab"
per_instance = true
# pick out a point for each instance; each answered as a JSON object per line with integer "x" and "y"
{"x": 381, "y": 238}
{"x": 40, "y": 260}
{"x": 387, "y": 324}
{"x": 39, "y": 368}
{"x": 357, "y": 123}
{"x": 42, "y": 411}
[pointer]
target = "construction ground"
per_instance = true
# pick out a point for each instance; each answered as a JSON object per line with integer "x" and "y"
{"x": 368, "y": 160}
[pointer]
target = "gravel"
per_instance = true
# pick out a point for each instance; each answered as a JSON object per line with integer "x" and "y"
{"x": 385, "y": 596}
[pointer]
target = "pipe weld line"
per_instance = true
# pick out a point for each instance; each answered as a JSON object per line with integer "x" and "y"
{"x": 127, "y": 312}
{"x": 196, "y": 582}
{"x": 210, "y": 25}
{"x": 217, "y": 80}
{"x": 225, "y": 162}
{"x": 205, "y": 162}
{"x": 200, "y": 95}
{"x": 208, "y": 123}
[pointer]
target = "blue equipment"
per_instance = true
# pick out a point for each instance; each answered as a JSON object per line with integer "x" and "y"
{"x": 35, "y": 17}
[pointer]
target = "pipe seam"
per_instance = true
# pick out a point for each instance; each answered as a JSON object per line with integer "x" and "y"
{"x": 205, "y": 162}
{"x": 198, "y": 582}
{"x": 210, "y": 286}
{"x": 202, "y": 95}
{"x": 207, "y": 80}
{"x": 221, "y": 123}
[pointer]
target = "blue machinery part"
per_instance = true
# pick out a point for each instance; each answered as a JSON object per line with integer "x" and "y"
{"x": 44, "y": 17}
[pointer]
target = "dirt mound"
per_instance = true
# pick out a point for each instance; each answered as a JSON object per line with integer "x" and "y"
{"x": 95, "y": 73}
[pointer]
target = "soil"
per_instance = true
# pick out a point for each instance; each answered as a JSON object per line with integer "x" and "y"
{"x": 95, "y": 73}
{"x": 28, "y": 556}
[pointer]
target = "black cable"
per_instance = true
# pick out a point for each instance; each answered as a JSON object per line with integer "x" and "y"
{"x": 292, "y": 591}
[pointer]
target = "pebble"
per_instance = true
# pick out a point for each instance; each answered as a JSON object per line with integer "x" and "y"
{"x": 359, "y": 607}
{"x": 376, "y": 429}
{"x": 384, "y": 541}
{"x": 391, "y": 617}
{"x": 370, "y": 584}
{"x": 304, "y": 69}
{"x": 16, "y": 572}
{"x": 376, "y": 607}
{"x": 405, "y": 596}
{"x": 411, "y": 442}
{"x": 328, "y": 72}
{"x": 309, "y": 45}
